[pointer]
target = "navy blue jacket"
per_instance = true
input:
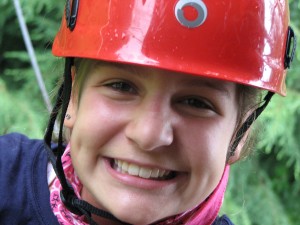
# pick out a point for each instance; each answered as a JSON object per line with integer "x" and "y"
{"x": 24, "y": 192}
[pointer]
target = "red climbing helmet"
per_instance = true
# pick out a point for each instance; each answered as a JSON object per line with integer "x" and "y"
{"x": 244, "y": 41}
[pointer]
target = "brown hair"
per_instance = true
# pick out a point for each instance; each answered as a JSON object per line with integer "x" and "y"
{"x": 249, "y": 99}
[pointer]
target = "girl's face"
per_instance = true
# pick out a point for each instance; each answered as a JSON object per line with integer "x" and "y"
{"x": 148, "y": 143}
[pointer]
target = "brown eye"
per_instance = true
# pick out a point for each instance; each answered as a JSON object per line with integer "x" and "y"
{"x": 122, "y": 86}
{"x": 197, "y": 103}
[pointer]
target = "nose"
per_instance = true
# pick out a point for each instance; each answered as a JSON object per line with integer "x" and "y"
{"x": 150, "y": 128}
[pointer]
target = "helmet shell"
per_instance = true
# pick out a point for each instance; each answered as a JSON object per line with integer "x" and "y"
{"x": 239, "y": 41}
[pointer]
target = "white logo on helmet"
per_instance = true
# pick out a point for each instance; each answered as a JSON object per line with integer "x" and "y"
{"x": 198, "y": 5}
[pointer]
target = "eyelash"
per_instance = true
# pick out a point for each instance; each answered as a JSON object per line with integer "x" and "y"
{"x": 122, "y": 86}
{"x": 197, "y": 103}
{"x": 193, "y": 102}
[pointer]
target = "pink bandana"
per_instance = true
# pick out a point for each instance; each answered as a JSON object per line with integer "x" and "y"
{"x": 204, "y": 214}
{"x": 64, "y": 216}
{"x": 207, "y": 211}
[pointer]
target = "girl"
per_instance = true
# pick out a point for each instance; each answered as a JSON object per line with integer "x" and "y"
{"x": 156, "y": 103}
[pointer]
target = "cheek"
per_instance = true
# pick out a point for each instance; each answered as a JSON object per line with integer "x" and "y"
{"x": 205, "y": 148}
{"x": 97, "y": 122}
{"x": 208, "y": 140}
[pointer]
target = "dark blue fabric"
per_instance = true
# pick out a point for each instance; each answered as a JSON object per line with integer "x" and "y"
{"x": 24, "y": 192}
{"x": 223, "y": 220}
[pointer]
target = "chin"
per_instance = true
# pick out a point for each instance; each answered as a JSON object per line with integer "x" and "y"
{"x": 136, "y": 216}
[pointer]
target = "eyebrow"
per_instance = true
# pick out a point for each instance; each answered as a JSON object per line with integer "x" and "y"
{"x": 131, "y": 69}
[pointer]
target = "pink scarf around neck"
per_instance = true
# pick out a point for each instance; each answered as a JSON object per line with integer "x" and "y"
{"x": 203, "y": 214}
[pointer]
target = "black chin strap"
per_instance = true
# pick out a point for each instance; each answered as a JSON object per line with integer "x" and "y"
{"x": 67, "y": 194}
{"x": 249, "y": 121}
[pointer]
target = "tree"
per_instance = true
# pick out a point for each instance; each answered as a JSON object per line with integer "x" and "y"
{"x": 265, "y": 188}
{"x": 23, "y": 109}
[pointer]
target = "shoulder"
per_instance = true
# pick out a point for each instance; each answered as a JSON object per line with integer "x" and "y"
{"x": 223, "y": 220}
{"x": 15, "y": 146}
{"x": 23, "y": 181}
{"x": 19, "y": 156}
{"x": 15, "y": 140}
{"x": 17, "y": 159}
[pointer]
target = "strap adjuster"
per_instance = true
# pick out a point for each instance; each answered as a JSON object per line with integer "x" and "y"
{"x": 68, "y": 197}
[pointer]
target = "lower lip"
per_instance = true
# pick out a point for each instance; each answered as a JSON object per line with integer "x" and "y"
{"x": 138, "y": 182}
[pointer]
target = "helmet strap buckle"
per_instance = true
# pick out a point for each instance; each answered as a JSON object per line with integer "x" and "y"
{"x": 290, "y": 48}
{"x": 71, "y": 13}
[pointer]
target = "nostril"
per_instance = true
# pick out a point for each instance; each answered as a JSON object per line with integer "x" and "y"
{"x": 151, "y": 134}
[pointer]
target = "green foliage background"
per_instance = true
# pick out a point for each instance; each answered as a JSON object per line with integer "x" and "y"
{"x": 263, "y": 189}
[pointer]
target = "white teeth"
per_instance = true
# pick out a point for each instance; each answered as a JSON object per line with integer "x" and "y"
{"x": 145, "y": 173}
{"x": 124, "y": 166}
{"x": 161, "y": 173}
{"x": 155, "y": 173}
{"x": 135, "y": 170}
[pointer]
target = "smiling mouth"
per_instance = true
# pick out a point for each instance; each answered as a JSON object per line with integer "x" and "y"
{"x": 142, "y": 172}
